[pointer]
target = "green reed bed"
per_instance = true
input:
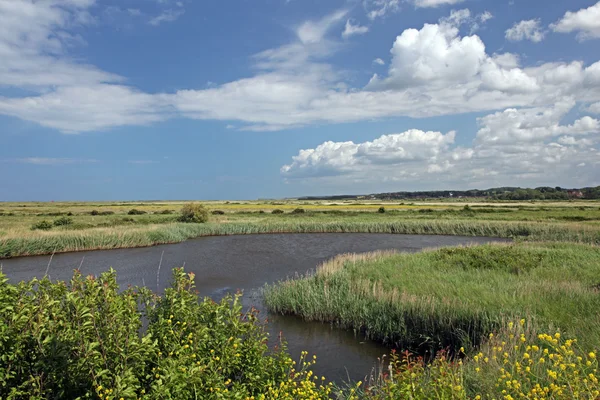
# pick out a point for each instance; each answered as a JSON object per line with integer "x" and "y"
{"x": 451, "y": 297}
{"x": 148, "y": 235}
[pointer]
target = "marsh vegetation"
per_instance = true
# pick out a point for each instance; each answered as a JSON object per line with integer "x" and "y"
{"x": 112, "y": 225}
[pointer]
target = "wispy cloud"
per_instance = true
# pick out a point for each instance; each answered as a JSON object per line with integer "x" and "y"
{"x": 314, "y": 31}
{"x": 48, "y": 161}
{"x": 142, "y": 162}
{"x": 351, "y": 30}
{"x": 526, "y": 30}
{"x": 166, "y": 16}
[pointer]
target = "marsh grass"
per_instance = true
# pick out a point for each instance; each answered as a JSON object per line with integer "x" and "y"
{"x": 452, "y": 297}
{"x": 36, "y": 243}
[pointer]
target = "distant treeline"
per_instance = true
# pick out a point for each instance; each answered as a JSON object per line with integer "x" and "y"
{"x": 502, "y": 193}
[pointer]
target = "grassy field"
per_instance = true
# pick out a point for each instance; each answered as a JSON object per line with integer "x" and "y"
{"x": 115, "y": 225}
{"x": 506, "y": 312}
{"x": 452, "y": 297}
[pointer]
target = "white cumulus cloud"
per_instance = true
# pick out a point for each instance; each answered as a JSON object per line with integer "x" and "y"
{"x": 585, "y": 21}
{"x": 527, "y": 146}
{"x": 432, "y": 71}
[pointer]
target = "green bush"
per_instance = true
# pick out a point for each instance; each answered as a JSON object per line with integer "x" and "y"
{"x": 42, "y": 225}
{"x": 63, "y": 221}
{"x": 277, "y": 211}
{"x": 218, "y": 212}
{"x": 298, "y": 211}
{"x": 194, "y": 212}
{"x": 89, "y": 339}
{"x": 165, "y": 212}
{"x": 134, "y": 211}
{"x": 381, "y": 210}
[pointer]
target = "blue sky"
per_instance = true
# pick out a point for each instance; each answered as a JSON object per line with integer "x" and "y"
{"x": 167, "y": 99}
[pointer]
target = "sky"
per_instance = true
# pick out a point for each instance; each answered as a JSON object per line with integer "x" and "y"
{"x": 248, "y": 99}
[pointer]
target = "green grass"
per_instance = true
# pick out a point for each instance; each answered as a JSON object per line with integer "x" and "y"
{"x": 451, "y": 297}
{"x": 567, "y": 221}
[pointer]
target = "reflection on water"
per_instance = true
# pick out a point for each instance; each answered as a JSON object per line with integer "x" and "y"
{"x": 229, "y": 263}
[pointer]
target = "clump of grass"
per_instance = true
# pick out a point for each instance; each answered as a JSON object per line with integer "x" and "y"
{"x": 277, "y": 211}
{"x": 42, "y": 226}
{"x": 63, "y": 221}
{"x": 381, "y": 210}
{"x": 217, "y": 212}
{"x": 450, "y": 298}
{"x": 299, "y": 211}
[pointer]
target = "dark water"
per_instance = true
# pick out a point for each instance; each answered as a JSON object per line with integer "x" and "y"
{"x": 228, "y": 263}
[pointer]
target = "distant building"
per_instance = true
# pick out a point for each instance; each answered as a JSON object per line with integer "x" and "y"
{"x": 578, "y": 194}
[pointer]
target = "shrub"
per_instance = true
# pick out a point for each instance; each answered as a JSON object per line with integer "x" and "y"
{"x": 106, "y": 213}
{"x": 277, "y": 211}
{"x": 89, "y": 339}
{"x": 217, "y": 212}
{"x": 94, "y": 212}
{"x": 42, "y": 225}
{"x": 127, "y": 219}
{"x": 69, "y": 214}
{"x": 298, "y": 211}
{"x": 134, "y": 211}
{"x": 165, "y": 212}
{"x": 381, "y": 210}
{"x": 63, "y": 221}
{"x": 194, "y": 212}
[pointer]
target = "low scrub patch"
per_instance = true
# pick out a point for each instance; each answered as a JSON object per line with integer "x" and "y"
{"x": 194, "y": 212}
{"x": 135, "y": 211}
{"x": 86, "y": 339}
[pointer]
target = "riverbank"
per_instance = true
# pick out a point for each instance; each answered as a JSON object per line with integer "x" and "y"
{"x": 43, "y": 228}
{"x": 453, "y": 297}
